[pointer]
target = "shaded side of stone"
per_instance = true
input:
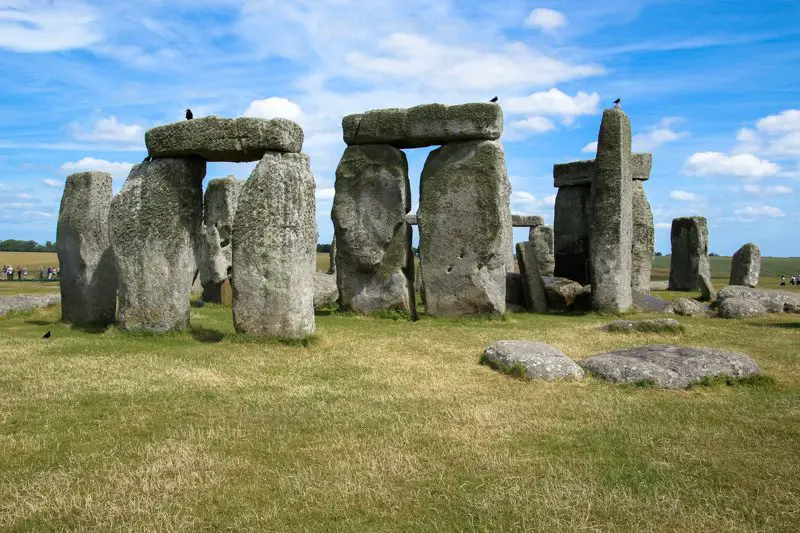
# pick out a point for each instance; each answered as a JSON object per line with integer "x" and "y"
{"x": 643, "y": 240}
{"x": 465, "y": 228}
{"x": 611, "y": 216}
{"x": 535, "y": 294}
{"x": 707, "y": 292}
{"x": 746, "y": 266}
{"x": 274, "y": 249}
{"x": 571, "y": 233}
{"x": 689, "y": 238}
{"x": 214, "y": 245}
{"x": 562, "y": 294}
{"x": 88, "y": 276}
{"x": 154, "y": 221}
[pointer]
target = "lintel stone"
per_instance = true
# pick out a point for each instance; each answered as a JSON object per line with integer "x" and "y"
{"x": 582, "y": 172}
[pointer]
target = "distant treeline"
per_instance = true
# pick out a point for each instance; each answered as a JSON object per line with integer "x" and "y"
{"x": 14, "y": 245}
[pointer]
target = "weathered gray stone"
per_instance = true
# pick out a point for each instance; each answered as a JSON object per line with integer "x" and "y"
{"x": 424, "y": 125}
{"x": 641, "y": 165}
{"x": 643, "y": 240}
{"x": 332, "y": 258}
{"x": 374, "y": 263}
{"x": 88, "y": 276}
{"x": 465, "y": 228}
{"x": 741, "y": 308}
{"x": 535, "y": 294}
{"x": 707, "y": 292}
{"x": 610, "y": 240}
{"x": 411, "y": 219}
{"x": 582, "y": 172}
{"x": 214, "y": 250}
{"x": 652, "y": 304}
{"x": 561, "y": 293}
{"x": 326, "y": 293}
{"x": 515, "y": 292}
{"x": 659, "y": 285}
{"x": 526, "y": 221}
{"x": 531, "y": 359}
{"x": 671, "y": 367}
{"x": 774, "y": 301}
{"x": 571, "y": 233}
{"x": 689, "y": 259}
{"x": 687, "y": 307}
{"x": 154, "y": 221}
{"x": 224, "y": 139}
{"x": 22, "y": 303}
{"x": 653, "y": 325}
{"x": 274, "y": 249}
{"x": 542, "y": 239}
{"x": 746, "y": 266}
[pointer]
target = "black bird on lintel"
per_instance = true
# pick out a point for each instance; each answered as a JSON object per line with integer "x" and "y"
{"x": 189, "y": 115}
{"x": 493, "y": 99}
{"x": 46, "y": 335}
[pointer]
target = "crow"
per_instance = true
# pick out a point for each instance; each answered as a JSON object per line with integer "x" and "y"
{"x": 46, "y": 335}
{"x": 493, "y": 100}
{"x": 617, "y": 100}
{"x": 189, "y": 115}
{"x": 147, "y": 159}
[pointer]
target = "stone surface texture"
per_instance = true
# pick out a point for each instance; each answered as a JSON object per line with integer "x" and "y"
{"x": 274, "y": 249}
{"x": 538, "y": 360}
{"x": 326, "y": 293}
{"x": 774, "y": 301}
{"x": 643, "y": 240}
{"x": 653, "y": 325}
{"x": 707, "y": 292}
{"x": 526, "y": 221}
{"x": 741, "y": 308}
{"x": 610, "y": 240}
{"x": 465, "y": 229}
{"x": 688, "y": 307}
{"x": 88, "y": 276}
{"x": 667, "y": 366}
{"x": 562, "y": 293}
{"x": 214, "y": 245}
{"x": 374, "y": 263}
{"x": 571, "y": 233}
{"x": 659, "y": 285}
{"x": 534, "y": 291}
{"x": 224, "y": 139}
{"x": 689, "y": 236}
{"x": 425, "y": 125}
{"x": 746, "y": 266}
{"x": 26, "y": 302}
{"x": 542, "y": 239}
{"x": 153, "y": 223}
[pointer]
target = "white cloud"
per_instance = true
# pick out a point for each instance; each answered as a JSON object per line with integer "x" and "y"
{"x": 778, "y": 190}
{"x": 118, "y": 169}
{"x": 53, "y": 183}
{"x": 525, "y": 203}
{"x": 47, "y": 25}
{"x": 533, "y": 125}
{"x": 554, "y": 102}
{"x": 325, "y": 194}
{"x": 658, "y": 135}
{"x": 783, "y": 122}
{"x": 546, "y": 19}
{"x": 745, "y": 166}
{"x": 663, "y": 225}
{"x": 108, "y": 129}
{"x": 274, "y": 107}
{"x": 590, "y": 148}
{"x": 760, "y": 211}
{"x": 774, "y": 190}
{"x": 683, "y": 196}
{"x": 550, "y": 200}
{"x": 774, "y": 135}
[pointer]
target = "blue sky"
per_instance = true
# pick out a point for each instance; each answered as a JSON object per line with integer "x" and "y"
{"x": 712, "y": 88}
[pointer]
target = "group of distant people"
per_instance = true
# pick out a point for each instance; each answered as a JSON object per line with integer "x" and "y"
{"x": 794, "y": 280}
{"x": 22, "y": 272}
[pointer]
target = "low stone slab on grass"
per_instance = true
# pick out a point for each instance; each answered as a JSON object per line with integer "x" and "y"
{"x": 741, "y": 308}
{"x": 656, "y": 325}
{"x": 531, "y": 360}
{"x": 774, "y": 301}
{"x": 659, "y": 285}
{"x": 689, "y": 307}
{"x": 667, "y": 366}
{"x": 649, "y": 303}
{"x": 224, "y": 139}
{"x": 24, "y": 303}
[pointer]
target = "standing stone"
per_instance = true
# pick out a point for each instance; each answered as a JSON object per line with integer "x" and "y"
{"x": 643, "y": 246}
{"x": 689, "y": 259}
{"x": 746, "y": 266}
{"x": 542, "y": 239}
{"x": 464, "y": 223}
{"x": 374, "y": 262}
{"x": 274, "y": 249}
{"x": 707, "y": 292}
{"x": 332, "y": 257}
{"x": 571, "y": 233}
{"x": 535, "y": 294}
{"x": 153, "y": 223}
{"x": 88, "y": 277}
{"x": 611, "y": 228}
{"x": 214, "y": 248}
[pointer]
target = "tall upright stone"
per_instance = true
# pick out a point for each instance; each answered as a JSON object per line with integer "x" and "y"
{"x": 214, "y": 247}
{"x": 332, "y": 257}
{"x": 88, "y": 276}
{"x": 746, "y": 266}
{"x": 374, "y": 263}
{"x": 689, "y": 236}
{"x": 541, "y": 237}
{"x": 464, "y": 222}
{"x": 535, "y": 293}
{"x": 643, "y": 241}
{"x": 154, "y": 221}
{"x": 571, "y": 233}
{"x": 274, "y": 249}
{"x": 611, "y": 228}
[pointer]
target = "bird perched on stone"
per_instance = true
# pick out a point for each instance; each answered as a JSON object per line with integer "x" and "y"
{"x": 147, "y": 159}
{"x": 616, "y": 103}
{"x": 189, "y": 115}
{"x": 46, "y": 335}
{"x": 493, "y": 99}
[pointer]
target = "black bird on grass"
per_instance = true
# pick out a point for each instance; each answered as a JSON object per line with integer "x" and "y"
{"x": 493, "y": 99}
{"x": 189, "y": 115}
{"x": 46, "y": 335}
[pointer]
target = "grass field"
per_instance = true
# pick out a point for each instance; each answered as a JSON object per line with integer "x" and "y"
{"x": 387, "y": 425}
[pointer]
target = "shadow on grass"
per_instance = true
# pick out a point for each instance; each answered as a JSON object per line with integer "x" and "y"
{"x": 42, "y": 322}
{"x": 784, "y": 325}
{"x": 90, "y": 328}
{"x": 206, "y": 335}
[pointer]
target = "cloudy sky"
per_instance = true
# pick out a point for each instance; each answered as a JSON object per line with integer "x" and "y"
{"x": 712, "y": 88}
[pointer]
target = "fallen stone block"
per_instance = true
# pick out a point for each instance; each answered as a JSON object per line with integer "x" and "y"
{"x": 656, "y": 325}
{"x": 531, "y": 360}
